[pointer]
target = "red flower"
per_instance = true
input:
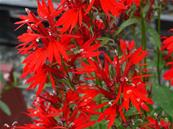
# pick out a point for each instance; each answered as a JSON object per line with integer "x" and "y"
{"x": 69, "y": 20}
{"x": 70, "y": 111}
{"x": 128, "y": 82}
{"x": 96, "y": 67}
{"x": 44, "y": 113}
{"x": 46, "y": 10}
{"x": 112, "y": 7}
{"x": 168, "y": 46}
{"x": 42, "y": 49}
{"x": 126, "y": 46}
{"x": 130, "y": 2}
{"x": 35, "y": 64}
{"x": 72, "y": 16}
{"x": 61, "y": 47}
{"x": 137, "y": 95}
{"x": 168, "y": 75}
{"x": 40, "y": 78}
{"x": 29, "y": 42}
{"x": 89, "y": 48}
{"x": 156, "y": 124}
{"x": 30, "y": 18}
{"x": 109, "y": 114}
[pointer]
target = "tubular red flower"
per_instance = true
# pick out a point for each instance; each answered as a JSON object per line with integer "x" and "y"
{"x": 131, "y": 88}
{"x": 168, "y": 46}
{"x": 112, "y": 7}
{"x": 63, "y": 47}
{"x": 72, "y": 111}
{"x": 156, "y": 124}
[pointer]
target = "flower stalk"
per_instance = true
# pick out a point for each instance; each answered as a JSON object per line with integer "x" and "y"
{"x": 159, "y": 56}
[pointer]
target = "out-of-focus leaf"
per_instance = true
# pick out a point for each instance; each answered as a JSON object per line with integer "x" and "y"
{"x": 1, "y": 77}
{"x": 118, "y": 124}
{"x": 100, "y": 125}
{"x": 4, "y": 107}
{"x": 25, "y": 86}
{"x": 104, "y": 40}
{"x": 131, "y": 112}
{"x": 154, "y": 36}
{"x": 127, "y": 23}
{"x": 163, "y": 97}
{"x": 146, "y": 9}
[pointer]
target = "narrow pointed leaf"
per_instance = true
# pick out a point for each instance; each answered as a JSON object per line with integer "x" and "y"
{"x": 126, "y": 24}
{"x": 163, "y": 97}
{"x": 4, "y": 107}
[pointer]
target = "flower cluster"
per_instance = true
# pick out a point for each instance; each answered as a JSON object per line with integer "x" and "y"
{"x": 168, "y": 46}
{"x": 67, "y": 110}
{"x": 157, "y": 124}
{"x": 91, "y": 81}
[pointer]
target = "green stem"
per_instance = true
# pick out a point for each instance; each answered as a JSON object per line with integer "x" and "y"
{"x": 133, "y": 31}
{"x": 100, "y": 101}
{"x": 143, "y": 27}
{"x": 143, "y": 33}
{"x": 158, "y": 49}
{"x": 158, "y": 66}
{"x": 143, "y": 38}
{"x": 68, "y": 76}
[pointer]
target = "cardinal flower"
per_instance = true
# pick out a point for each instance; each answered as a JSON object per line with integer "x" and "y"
{"x": 130, "y": 2}
{"x": 30, "y": 18}
{"x": 72, "y": 110}
{"x": 96, "y": 67}
{"x": 35, "y": 62}
{"x": 168, "y": 75}
{"x": 137, "y": 95}
{"x": 122, "y": 77}
{"x": 130, "y": 81}
{"x": 73, "y": 15}
{"x": 69, "y": 20}
{"x": 156, "y": 124}
{"x": 42, "y": 49}
{"x": 29, "y": 42}
{"x": 168, "y": 46}
{"x": 112, "y": 7}
{"x": 89, "y": 48}
{"x": 42, "y": 76}
{"x": 62, "y": 49}
{"x": 109, "y": 114}
{"x": 47, "y": 10}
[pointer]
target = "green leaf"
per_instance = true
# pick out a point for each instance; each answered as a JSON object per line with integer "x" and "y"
{"x": 104, "y": 40}
{"x": 131, "y": 112}
{"x": 5, "y": 108}
{"x": 146, "y": 9}
{"x": 127, "y": 23}
{"x": 100, "y": 125}
{"x": 118, "y": 123}
{"x": 163, "y": 97}
{"x": 1, "y": 77}
{"x": 154, "y": 36}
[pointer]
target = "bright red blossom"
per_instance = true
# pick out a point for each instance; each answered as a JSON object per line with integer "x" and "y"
{"x": 63, "y": 47}
{"x": 72, "y": 110}
{"x": 168, "y": 46}
{"x": 130, "y": 2}
{"x": 157, "y": 124}
{"x": 128, "y": 81}
{"x": 112, "y": 7}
